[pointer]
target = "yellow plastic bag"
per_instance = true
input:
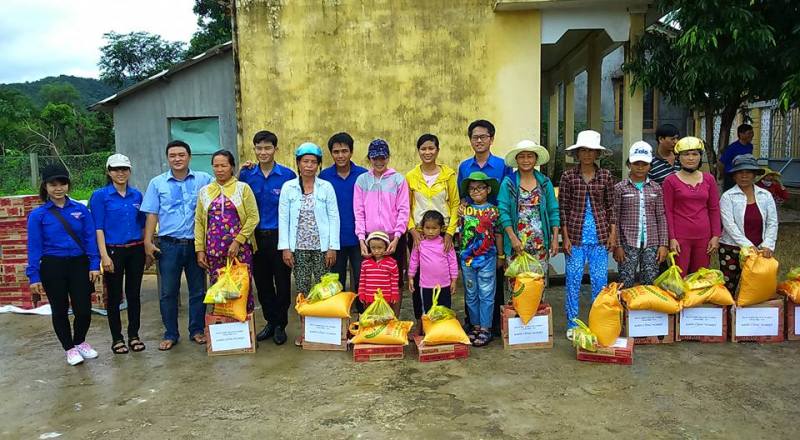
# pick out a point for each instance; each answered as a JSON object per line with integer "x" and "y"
{"x": 438, "y": 312}
{"x": 235, "y": 308}
{"x": 327, "y": 287}
{"x": 394, "y": 332}
{"x": 233, "y": 282}
{"x": 717, "y": 294}
{"x": 704, "y": 278}
{"x": 582, "y": 336}
{"x": 447, "y": 331}
{"x": 337, "y": 306}
{"x": 791, "y": 286}
{"x": 527, "y": 294}
{"x": 759, "y": 279}
{"x": 650, "y": 298}
{"x": 524, "y": 263}
{"x": 671, "y": 279}
{"x": 379, "y": 312}
{"x": 605, "y": 318}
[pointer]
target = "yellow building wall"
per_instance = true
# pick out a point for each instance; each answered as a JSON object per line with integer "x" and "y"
{"x": 393, "y": 69}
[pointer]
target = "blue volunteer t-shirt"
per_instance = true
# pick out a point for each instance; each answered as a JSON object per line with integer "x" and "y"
{"x": 732, "y": 151}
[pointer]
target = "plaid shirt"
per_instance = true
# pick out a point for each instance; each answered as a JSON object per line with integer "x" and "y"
{"x": 626, "y": 203}
{"x": 572, "y": 200}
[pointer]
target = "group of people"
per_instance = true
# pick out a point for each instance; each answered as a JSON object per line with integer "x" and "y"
{"x": 380, "y": 229}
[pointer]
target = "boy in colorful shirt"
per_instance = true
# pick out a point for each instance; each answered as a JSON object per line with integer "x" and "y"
{"x": 481, "y": 253}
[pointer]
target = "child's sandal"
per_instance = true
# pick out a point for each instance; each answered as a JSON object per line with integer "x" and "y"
{"x": 483, "y": 339}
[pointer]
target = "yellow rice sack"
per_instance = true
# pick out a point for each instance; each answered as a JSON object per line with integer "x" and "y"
{"x": 605, "y": 317}
{"x": 650, "y": 298}
{"x": 759, "y": 279}
{"x": 717, "y": 294}
{"x": 791, "y": 286}
{"x": 394, "y": 332}
{"x": 445, "y": 331}
{"x": 234, "y": 308}
{"x": 527, "y": 294}
{"x": 336, "y": 306}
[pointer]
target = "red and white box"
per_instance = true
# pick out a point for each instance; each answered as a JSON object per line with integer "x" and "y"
{"x": 621, "y": 352}
{"x": 792, "y": 323}
{"x": 762, "y": 323}
{"x": 376, "y": 352}
{"x": 324, "y": 334}
{"x": 704, "y": 323}
{"x": 537, "y": 334}
{"x": 227, "y": 335}
{"x": 443, "y": 352}
{"x": 647, "y": 327}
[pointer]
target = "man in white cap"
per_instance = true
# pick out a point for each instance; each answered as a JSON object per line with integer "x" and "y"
{"x": 641, "y": 222}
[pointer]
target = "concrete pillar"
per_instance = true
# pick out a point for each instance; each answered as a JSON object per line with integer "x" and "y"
{"x": 755, "y": 114}
{"x": 569, "y": 114}
{"x": 594, "y": 73}
{"x": 552, "y": 127}
{"x": 633, "y": 109}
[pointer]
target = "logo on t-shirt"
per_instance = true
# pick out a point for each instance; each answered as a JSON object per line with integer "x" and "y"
{"x": 77, "y": 215}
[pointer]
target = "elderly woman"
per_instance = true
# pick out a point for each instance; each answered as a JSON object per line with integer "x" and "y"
{"x": 749, "y": 218}
{"x": 528, "y": 205}
{"x": 224, "y": 221}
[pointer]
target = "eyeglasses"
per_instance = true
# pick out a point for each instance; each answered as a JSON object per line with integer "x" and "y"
{"x": 480, "y": 137}
{"x": 474, "y": 189}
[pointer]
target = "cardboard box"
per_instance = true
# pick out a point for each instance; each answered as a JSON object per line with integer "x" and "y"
{"x": 705, "y": 323}
{"x": 762, "y": 323}
{"x": 433, "y": 353}
{"x": 619, "y": 353}
{"x": 647, "y": 327}
{"x": 318, "y": 329}
{"x": 538, "y": 334}
{"x": 375, "y": 352}
{"x": 792, "y": 324}
{"x": 219, "y": 337}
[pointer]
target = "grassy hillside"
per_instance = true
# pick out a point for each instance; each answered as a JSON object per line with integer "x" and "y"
{"x": 91, "y": 90}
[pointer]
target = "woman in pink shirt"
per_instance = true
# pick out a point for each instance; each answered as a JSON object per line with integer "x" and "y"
{"x": 691, "y": 202}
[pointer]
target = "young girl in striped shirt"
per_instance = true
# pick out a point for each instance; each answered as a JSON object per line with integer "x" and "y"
{"x": 379, "y": 271}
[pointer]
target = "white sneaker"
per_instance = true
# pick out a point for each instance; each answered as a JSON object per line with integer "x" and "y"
{"x": 569, "y": 334}
{"x": 74, "y": 356}
{"x": 86, "y": 350}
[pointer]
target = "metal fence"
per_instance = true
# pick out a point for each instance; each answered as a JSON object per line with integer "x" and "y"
{"x": 20, "y": 174}
{"x": 785, "y": 135}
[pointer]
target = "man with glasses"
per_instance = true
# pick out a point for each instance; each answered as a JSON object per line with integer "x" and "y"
{"x": 481, "y": 136}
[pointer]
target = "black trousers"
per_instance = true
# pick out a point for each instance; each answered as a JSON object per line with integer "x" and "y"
{"x": 272, "y": 278}
{"x": 349, "y": 256}
{"x": 128, "y": 272}
{"x": 66, "y": 280}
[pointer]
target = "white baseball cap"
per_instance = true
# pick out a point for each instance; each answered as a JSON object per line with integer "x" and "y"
{"x": 118, "y": 160}
{"x": 640, "y": 151}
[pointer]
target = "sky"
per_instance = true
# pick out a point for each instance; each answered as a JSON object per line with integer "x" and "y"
{"x": 40, "y": 38}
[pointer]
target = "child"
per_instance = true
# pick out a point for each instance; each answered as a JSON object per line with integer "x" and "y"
{"x": 586, "y": 202}
{"x": 436, "y": 267}
{"x": 771, "y": 181}
{"x": 481, "y": 253}
{"x": 379, "y": 271}
{"x": 642, "y": 225}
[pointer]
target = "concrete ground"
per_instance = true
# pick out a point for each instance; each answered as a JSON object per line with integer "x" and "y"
{"x": 684, "y": 390}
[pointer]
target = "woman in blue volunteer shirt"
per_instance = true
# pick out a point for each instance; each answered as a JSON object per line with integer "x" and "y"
{"x": 63, "y": 261}
{"x": 120, "y": 228}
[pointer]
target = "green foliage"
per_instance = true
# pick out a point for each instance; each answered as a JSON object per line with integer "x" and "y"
{"x": 87, "y": 173}
{"x": 89, "y": 90}
{"x": 214, "y": 25}
{"x": 136, "y": 56}
{"x": 60, "y": 93}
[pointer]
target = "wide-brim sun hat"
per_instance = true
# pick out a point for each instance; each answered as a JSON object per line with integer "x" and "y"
{"x": 588, "y": 139}
{"x": 118, "y": 161}
{"x": 479, "y": 176}
{"x": 689, "y": 143}
{"x": 542, "y": 155}
{"x": 746, "y": 162}
{"x": 776, "y": 175}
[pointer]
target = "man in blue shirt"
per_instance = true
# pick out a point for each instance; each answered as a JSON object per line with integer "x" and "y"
{"x": 342, "y": 175}
{"x": 170, "y": 202}
{"x": 271, "y": 275}
{"x": 481, "y": 136}
{"x": 742, "y": 146}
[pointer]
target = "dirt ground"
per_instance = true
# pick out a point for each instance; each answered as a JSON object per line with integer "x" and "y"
{"x": 684, "y": 390}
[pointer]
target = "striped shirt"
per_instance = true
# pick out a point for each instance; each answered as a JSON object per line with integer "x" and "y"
{"x": 660, "y": 169}
{"x": 376, "y": 275}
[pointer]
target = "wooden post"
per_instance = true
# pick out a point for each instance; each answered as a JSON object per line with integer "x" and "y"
{"x": 34, "y": 170}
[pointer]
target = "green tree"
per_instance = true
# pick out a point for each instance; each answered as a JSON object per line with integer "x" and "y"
{"x": 721, "y": 55}
{"x": 214, "y": 25}
{"x": 135, "y": 56}
{"x": 15, "y": 110}
{"x": 60, "y": 93}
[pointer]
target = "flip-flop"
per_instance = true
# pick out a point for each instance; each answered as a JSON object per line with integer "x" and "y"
{"x": 169, "y": 344}
{"x": 136, "y": 344}
{"x": 199, "y": 339}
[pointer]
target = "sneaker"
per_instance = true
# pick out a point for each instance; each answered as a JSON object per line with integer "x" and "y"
{"x": 569, "y": 334}
{"x": 86, "y": 350}
{"x": 74, "y": 356}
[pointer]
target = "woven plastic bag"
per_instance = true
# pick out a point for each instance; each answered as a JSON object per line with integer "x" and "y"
{"x": 327, "y": 287}
{"x": 791, "y": 286}
{"x": 393, "y": 332}
{"x": 706, "y": 286}
{"x": 759, "y": 279}
{"x": 650, "y": 298}
{"x": 233, "y": 281}
{"x": 234, "y": 308}
{"x": 337, "y": 306}
{"x": 441, "y": 326}
{"x": 704, "y": 278}
{"x": 671, "y": 280}
{"x": 379, "y": 312}
{"x": 527, "y": 294}
{"x": 582, "y": 336}
{"x": 605, "y": 317}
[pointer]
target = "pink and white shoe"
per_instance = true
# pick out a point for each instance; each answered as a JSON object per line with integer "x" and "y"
{"x": 74, "y": 356}
{"x": 86, "y": 350}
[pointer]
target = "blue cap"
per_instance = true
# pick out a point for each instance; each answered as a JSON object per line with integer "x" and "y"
{"x": 308, "y": 148}
{"x": 378, "y": 148}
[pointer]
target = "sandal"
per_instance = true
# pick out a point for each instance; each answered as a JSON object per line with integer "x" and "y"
{"x": 166, "y": 345}
{"x": 199, "y": 339}
{"x": 483, "y": 339}
{"x": 473, "y": 334}
{"x": 118, "y": 347}
{"x": 136, "y": 344}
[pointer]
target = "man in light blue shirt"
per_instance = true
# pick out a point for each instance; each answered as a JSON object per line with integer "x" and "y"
{"x": 170, "y": 202}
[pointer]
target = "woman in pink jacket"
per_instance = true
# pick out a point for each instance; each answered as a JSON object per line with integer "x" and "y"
{"x": 380, "y": 203}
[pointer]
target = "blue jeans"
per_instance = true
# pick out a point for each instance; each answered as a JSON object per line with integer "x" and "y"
{"x": 479, "y": 288}
{"x": 596, "y": 256}
{"x": 175, "y": 259}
